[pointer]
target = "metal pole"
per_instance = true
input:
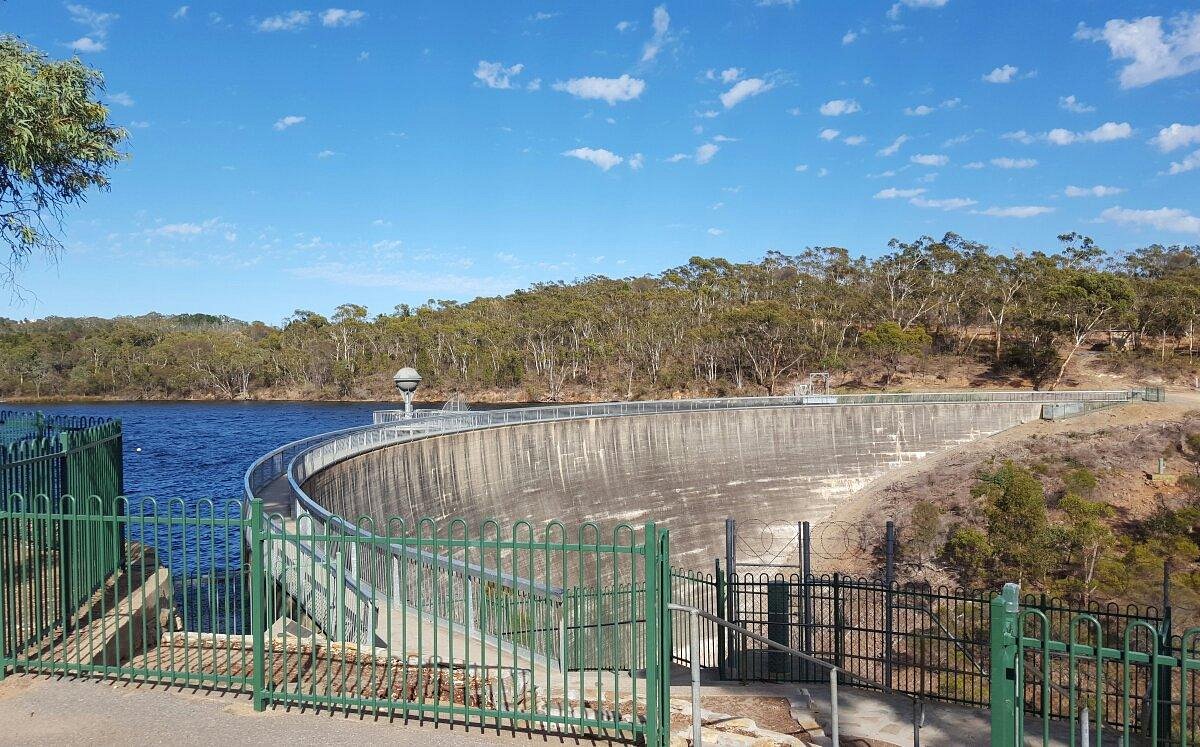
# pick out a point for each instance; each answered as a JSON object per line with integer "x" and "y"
{"x": 1085, "y": 729}
{"x": 833, "y": 707}
{"x": 806, "y": 572}
{"x": 257, "y": 593}
{"x": 732, "y": 648}
{"x": 918, "y": 721}
{"x": 889, "y": 603}
{"x": 694, "y": 643}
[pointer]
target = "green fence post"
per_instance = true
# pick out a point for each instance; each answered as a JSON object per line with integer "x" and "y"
{"x": 257, "y": 598}
{"x": 1004, "y": 651}
{"x": 658, "y": 638}
{"x": 668, "y": 644}
{"x": 5, "y": 558}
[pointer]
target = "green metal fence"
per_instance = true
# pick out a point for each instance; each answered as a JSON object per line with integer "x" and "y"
{"x": 372, "y": 632}
{"x": 54, "y": 457}
{"x": 1081, "y": 681}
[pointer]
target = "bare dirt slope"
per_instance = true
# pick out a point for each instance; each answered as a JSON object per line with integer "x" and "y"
{"x": 1121, "y": 445}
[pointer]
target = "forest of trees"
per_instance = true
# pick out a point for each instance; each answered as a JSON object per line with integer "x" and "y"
{"x": 711, "y": 326}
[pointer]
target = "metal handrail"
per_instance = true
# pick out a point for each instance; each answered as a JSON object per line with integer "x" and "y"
{"x": 694, "y": 613}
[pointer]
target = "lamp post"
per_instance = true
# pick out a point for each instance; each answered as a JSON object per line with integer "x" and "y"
{"x": 407, "y": 380}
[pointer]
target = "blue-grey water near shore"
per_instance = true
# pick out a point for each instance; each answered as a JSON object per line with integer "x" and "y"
{"x": 184, "y": 454}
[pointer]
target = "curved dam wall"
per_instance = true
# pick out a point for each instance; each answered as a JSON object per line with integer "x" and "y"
{"x": 687, "y": 471}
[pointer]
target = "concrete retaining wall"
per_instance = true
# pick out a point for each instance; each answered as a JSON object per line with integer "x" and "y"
{"x": 687, "y": 471}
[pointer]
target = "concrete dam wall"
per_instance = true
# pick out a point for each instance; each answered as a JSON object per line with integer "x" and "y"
{"x": 687, "y": 471}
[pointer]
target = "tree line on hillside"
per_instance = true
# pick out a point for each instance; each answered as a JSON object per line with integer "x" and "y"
{"x": 710, "y": 326}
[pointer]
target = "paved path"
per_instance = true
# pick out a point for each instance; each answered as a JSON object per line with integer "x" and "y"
{"x": 49, "y": 711}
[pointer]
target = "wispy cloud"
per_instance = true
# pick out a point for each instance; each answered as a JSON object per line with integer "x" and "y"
{"x": 1016, "y": 211}
{"x": 290, "y": 120}
{"x": 1014, "y": 163}
{"x": 1097, "y": 191}
{"x": 121, "y": 99}
{"x": 496, "y": 74}
{"x": 945, "y": 203}
{"x": 930, "y": 159}
{"x": 838, "y": 107}
{"x": 743, "y": 90}
{"x": 1072, "y": 104}
{"x": 892, "y": 149}
{"x": 335, "y": 17}
{"x": 1004, "y": 74}
{"x": 892, "y": 193}
{"x": 1106, "y": 132}
{"x": 1162, "y": 219}
{"x": 660, "y": 21}
{"x": 95, "y": 22}
{"x": 600, "y": 157}
{"x": 291, "y": 21}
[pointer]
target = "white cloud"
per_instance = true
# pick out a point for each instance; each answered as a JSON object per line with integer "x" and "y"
{"x": 290, "y": 120}
{"x": 1153, "y": 53}
{"x": 637, "y": 161}
{"x": 334, "y": 17}
{"x": 121, "y": 99}
{"x": 534, "y": 85}
{"x": 327, "y": 154}
{"x": 1190, "y": 162}
{"x": 974, "y": 165}
{"x": 956, "y": 140}
{"x": 891, "y": 193}
{"x": 1021, "y": 136}
{"x": 849, "y": 37}
{"x": 174, "y": 230}
{"x": 611, "y": 90}
{"x": 87, "y": 44}
{"x": 1016, "y": 211}
{"x": 624, "y": 26}
{"x": 948, "y": 203}
{"x": 1106, "y": 132}
{"x": 743, "y": 90}
{"x": 604, "y": 159}
{"x": 290, "y": 21}
{"x": 705, "y": 152}
{"x": 892, "y": 149}
{"x": 661, "y": 22}
{"x": 838, "y": 107}
{"x": 894, "y": 12}
{"x": 1014, "y": 163}
{"x": 1163, "y": 219}
{"x": 829, "y": 134}
{"x": 1097, "y": 191}
{"x": 1072, "y": 104}
{"x": 930, "y": 159}
{"x": 1176, "y": 136}
{"x": 496, "y": 75}
{"x": 854, "y": 139}
{"x": 728, "y": 75}
{"x": 716, "y": 231}
{"x": 919, "y": 111}
{"x": 823, "y": 172}
{"x": 1003, "y": 74}
{"x": 801, "y": 167}
{"x": 181, "y": 12}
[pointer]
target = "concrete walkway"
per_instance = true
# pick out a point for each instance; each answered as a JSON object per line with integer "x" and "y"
{"x": 50, "y": 711}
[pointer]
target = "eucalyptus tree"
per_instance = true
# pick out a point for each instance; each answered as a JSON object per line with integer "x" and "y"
{"x": 57, "y": 146}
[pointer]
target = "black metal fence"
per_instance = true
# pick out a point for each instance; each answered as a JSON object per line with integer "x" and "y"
{"x": 916, "y": 639}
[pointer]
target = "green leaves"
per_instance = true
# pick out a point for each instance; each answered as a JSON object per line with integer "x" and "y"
{"x": 56, "y": 145}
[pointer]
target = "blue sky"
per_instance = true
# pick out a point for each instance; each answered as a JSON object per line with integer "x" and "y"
{"x": 291, "y": 156}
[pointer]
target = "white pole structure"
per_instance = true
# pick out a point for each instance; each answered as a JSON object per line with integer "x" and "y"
{"x": 407, "y": 380}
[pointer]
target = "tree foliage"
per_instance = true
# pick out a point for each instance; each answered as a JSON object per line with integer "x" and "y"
{"x": 710, "y": 326}
{"x": 56, "y": 145}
